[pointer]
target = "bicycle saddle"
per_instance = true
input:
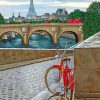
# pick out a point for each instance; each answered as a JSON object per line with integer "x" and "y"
{"x": 66, "y": 59}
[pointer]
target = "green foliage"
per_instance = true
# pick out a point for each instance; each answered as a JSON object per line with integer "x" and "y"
{"x": 30, "y": 21}
{"x": 42, "y": 21}
{"x": 2, "y": 21}
{"x": 64, "y": 21}
{"x": 55, "y": 21}
{"x": 91, "y": 23}
{"x": 23, "y": 22}
{"x": 77, "y": 14}
{"x": 94, "y": 7}
{"x": 13, "y": 22}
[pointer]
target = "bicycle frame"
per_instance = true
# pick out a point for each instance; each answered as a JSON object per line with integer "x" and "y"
{"x": 66, "y": 75}
{"x": 65, "y": 72}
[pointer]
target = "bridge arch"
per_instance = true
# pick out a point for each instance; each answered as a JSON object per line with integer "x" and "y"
{"x": 41, "y": 30}
{"x": 67, "y": 36}
{"x": 41, "y": 39}
{"x": 12, "y": 31}
{"x": 9, "y": 32}
{"x": 69, "y": 32}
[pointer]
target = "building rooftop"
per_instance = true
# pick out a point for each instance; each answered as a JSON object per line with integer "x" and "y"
{"x": 92, "y": 42}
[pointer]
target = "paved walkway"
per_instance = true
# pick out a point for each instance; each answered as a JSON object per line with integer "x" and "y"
{"x": 24, "y": 83}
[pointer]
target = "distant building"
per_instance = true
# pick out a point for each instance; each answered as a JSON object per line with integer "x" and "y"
{"x": 61, "y": 14}
{"x": 19, "y": 18}
{"x": 41, "y": 18}
{"x": 52, "y": 17}
{"x": 47, "y": 15}
{"x": 15, "y": 19}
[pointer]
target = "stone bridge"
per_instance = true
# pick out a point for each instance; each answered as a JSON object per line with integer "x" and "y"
{"x": 54, "y": 30}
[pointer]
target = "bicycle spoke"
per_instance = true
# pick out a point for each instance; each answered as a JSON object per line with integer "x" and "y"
{"x": 52, "y": 81}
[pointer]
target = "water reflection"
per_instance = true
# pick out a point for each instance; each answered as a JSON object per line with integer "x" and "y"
{"x": 37, "y": 41}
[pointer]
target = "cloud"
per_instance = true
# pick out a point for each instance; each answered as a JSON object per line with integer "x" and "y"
{"x": 58, "y": 3}
{"x": 95, "y": 0}
{"x": 13, "y": 3}
{"x": 72, "y": 4}
{"x": 20, "y": 10}
{"x": 17, "y": 3}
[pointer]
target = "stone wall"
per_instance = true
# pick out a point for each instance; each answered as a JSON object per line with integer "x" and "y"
{"x": 8, "y": 56}
{"x": 87, "y": 69}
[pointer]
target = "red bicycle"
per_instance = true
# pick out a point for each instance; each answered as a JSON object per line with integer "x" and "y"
{"x": 59, "y": 79}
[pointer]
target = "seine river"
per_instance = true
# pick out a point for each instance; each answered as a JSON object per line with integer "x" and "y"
{"x": 36, "y": 41}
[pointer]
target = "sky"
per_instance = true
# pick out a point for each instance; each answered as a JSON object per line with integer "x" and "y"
{"x": 8, "y": 7}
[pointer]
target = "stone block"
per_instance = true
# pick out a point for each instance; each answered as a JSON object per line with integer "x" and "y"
{"x": 87, "y": 58}
{"x": 87, "y": 81}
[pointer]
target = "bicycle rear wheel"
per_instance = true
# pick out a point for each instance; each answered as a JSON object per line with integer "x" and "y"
{"x": 53, "y": 82}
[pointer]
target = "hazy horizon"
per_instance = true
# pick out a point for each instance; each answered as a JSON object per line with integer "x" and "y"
{"x": 8, "y": 7}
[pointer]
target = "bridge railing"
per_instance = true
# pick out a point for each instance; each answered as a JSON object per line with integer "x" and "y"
{"x": 40, "y": 24}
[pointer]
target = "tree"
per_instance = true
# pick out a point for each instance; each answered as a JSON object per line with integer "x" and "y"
{"x": 55, "y": 21}
{"x": 2, "y": 21}
{"x": 77, "y": 14}
{"x": 91, "y": 23}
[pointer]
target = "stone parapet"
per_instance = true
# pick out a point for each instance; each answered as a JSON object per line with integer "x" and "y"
{"x": 8, "y": 56}
{"x": 17, "y": 57}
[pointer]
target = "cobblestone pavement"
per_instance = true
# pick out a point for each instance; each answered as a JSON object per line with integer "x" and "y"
{"x": 23, "y": 83}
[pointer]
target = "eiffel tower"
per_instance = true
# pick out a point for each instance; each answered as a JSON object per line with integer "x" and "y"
{"x": 31, "y": 11}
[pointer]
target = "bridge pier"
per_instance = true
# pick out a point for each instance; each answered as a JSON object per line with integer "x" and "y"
{"x": 25, "y": 39}
{"x": 80, "y": 37}
{"x": 55, "y": 38}
{"x": 0, "y": 38}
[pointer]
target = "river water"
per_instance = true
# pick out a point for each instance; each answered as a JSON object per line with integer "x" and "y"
{"x": 37, "y": 41}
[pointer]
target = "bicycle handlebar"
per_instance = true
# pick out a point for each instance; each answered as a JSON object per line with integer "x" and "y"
{"x": 64, "y": 52}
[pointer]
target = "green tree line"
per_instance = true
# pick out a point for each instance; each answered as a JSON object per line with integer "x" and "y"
{"x": 2, "y": 21}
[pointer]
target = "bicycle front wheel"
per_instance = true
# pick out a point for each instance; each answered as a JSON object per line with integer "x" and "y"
{"x": 53, "y": 82}
{"x": 56, "y": 97}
